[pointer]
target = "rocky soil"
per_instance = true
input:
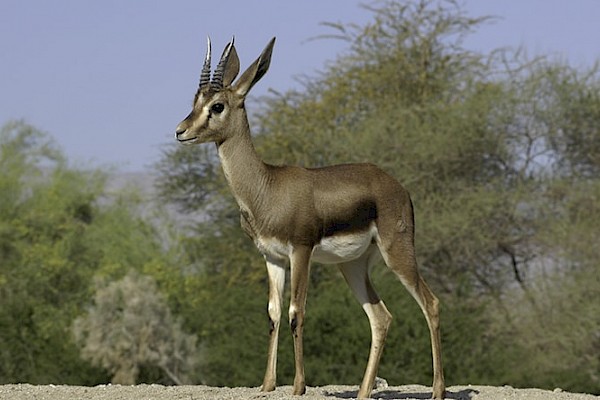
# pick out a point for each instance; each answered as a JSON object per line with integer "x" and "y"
{"x": 332, "y": 392}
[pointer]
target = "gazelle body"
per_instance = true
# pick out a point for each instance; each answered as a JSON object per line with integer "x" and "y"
{"x": 344, "y": 214}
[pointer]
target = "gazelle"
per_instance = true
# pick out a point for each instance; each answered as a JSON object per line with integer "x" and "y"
{"x": 342, "y": 214}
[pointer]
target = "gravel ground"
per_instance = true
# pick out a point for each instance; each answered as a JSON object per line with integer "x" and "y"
{"x": 158, "y": 392}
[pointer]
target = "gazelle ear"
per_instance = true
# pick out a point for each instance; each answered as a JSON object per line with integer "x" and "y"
{"x": 232, "y": 68}
{"x": 255, "y": 71}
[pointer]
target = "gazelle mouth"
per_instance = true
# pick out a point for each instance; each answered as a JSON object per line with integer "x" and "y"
{"x": 187, "y": 140}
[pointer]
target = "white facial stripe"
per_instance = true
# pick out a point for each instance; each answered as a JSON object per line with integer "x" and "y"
{"x": 201, "y": 120}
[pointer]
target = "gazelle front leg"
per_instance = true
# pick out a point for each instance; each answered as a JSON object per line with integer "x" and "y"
{"x": 276, "y": 271}
{"x": 300, "y": 269}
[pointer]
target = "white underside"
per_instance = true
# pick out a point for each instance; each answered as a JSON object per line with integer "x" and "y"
{"x": 331, "y": 250}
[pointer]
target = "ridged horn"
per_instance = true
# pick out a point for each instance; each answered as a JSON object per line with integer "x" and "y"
{"x": 217, "y": 80}
{"x": 205, "y": 75}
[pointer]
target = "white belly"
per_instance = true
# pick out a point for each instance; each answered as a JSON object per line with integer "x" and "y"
{"x": 330, "y": 250}
{"x": 341, "y": 248}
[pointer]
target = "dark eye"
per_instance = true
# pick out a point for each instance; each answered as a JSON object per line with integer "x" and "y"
{"x": 217, "y": 108}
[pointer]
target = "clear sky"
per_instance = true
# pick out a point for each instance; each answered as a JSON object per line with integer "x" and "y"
{"x": 110, "y": 79}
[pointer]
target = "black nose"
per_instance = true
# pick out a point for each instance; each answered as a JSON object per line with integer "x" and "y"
{"x": 180, "y": 131}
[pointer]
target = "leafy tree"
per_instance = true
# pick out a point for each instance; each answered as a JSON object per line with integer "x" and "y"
{"x": 574, "y": 131}
{"x": 44, "y": 212}
{"x": 59, "y": 230}
{"x": 130, "y": 327}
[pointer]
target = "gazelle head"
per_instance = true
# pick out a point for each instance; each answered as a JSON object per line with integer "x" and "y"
{"x": 219, "y": 105}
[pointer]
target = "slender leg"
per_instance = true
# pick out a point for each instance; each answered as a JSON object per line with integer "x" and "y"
{"x": 429, "y": 303}
{"x": 399, "y": 255}
{"x": 356, "y": 274}
{"x": 276, "y": 271}
{"x": 300, "y": 269}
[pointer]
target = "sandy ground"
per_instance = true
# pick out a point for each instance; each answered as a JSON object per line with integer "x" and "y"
{"x": 158, "y": 392}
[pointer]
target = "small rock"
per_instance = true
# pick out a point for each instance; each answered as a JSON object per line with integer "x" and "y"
{"x": 557, "y": 390}
{"x": 380, "y": 383}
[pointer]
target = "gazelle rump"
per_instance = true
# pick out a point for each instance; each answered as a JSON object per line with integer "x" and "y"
{"x": 346, "y": 214}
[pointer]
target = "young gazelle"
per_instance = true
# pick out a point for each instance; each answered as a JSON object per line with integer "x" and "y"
{"x": 342, "y": 214}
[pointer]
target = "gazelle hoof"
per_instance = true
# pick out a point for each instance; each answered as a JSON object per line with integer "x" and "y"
{"x": 267, "y": 387}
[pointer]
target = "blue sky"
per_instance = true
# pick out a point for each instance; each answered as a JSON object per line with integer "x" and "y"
{"x": 110, "y": 80}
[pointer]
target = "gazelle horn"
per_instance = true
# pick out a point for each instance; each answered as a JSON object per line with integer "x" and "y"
{"x": 205, "y": 75}
{"x": 217, "y": 81}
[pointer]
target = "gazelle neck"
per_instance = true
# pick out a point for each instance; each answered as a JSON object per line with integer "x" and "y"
{"x": 246, "y": 174}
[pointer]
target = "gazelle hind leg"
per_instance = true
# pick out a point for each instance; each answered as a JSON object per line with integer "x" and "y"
{"x": 356, "y": 274}
{"x": 399, "y": 255}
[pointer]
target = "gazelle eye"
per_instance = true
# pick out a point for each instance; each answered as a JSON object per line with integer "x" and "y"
{"x": 217, "y": 108}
